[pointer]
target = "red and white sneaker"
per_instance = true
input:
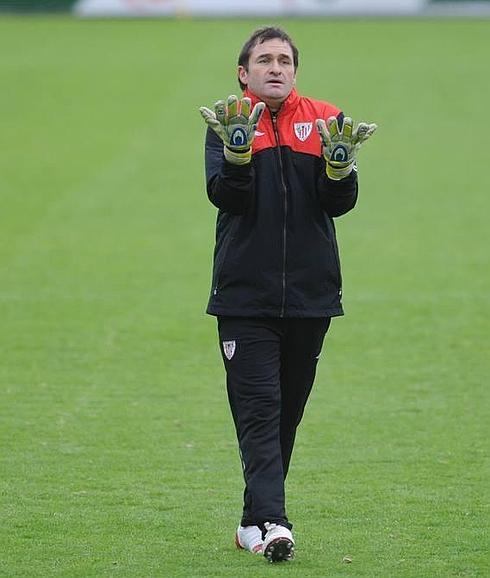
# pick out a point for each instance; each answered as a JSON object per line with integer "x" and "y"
{"x": 278, "y": 543}
{"x": 249, "y": 538}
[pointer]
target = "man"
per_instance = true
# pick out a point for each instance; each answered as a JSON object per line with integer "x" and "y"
{"x": 278, "y": 183}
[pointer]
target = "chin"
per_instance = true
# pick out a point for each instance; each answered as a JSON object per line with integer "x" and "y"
{"x": 276, "y": 93}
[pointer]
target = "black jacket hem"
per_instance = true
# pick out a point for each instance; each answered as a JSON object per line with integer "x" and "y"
{"x": 242, "y": 312}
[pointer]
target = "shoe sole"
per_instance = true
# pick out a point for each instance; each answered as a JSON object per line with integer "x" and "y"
{"x": 279, "y": 550}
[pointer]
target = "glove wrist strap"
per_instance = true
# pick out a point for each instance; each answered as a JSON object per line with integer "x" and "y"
{"x": 338, "y": 173}
{"x": 237, "y": 158}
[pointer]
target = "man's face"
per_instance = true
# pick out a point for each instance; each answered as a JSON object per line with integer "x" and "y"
{"x": 270, "y": 74}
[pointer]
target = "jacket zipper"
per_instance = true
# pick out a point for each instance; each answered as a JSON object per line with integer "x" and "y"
{"x": 284, "y": 232}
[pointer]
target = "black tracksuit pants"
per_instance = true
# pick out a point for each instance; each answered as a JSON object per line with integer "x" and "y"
{"x": 270, "y": 368}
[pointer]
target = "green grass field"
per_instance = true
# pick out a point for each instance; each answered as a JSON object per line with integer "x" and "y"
{"x": 117, "y": 453}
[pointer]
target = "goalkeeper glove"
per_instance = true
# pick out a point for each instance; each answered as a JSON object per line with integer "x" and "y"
{"x": 235, "y": 126}
{"x": 340, "y": 146}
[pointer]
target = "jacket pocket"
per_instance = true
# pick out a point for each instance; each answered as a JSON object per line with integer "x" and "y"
{"x": 334, "y": 250}
{"x": 221, "y": 258}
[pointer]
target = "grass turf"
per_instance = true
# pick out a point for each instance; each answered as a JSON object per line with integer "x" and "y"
{"x": 117, "y": 449}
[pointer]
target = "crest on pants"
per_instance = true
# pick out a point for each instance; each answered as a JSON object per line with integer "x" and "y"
{"x": 229, "y": 349}
{"x": 303, "y": 130}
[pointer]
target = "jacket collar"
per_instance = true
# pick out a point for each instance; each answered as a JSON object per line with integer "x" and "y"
{"x": 289, "y": 105}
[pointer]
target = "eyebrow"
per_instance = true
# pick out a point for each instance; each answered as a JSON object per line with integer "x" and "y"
{"x": 269, "y": 55}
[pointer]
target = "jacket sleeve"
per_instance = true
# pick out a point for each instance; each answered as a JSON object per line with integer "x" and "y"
{"x": 229, "y": 187}
{"x": 337, "y": 197}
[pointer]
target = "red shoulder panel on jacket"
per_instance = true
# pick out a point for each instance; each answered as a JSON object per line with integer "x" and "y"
{"x": 295, "y": 126}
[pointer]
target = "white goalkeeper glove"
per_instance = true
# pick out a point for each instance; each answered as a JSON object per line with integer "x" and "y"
{"x": 235, "y": 126}
{"x": 340, "y": 146}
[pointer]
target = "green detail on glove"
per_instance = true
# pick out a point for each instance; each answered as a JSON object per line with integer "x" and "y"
{"x": 235, "y": 126}
{"x": 340, "y": 146}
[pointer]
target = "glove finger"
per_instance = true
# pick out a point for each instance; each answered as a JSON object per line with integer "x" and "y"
{"x": 333, "y": 126}
{"x": 232, "y": 105}
{"x": 256, "y": 115}
{"x": 220, "y": 111}
{"x": 347, "y": 128}
{"x": 211, "y": 120}
{"x": 321, "y": 127}
{"x": 370, "y": 130}
{"x": 208, "y": 115}
{"x": 363, "y": 132}
{"x": 245, "y": 105}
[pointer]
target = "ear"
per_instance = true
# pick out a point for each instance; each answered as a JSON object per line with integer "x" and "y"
{"x": 242, "y": 74}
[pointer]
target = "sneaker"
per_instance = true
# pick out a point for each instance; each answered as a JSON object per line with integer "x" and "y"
{"x": 278, "y": 543}
{"x": 249, "y": 538}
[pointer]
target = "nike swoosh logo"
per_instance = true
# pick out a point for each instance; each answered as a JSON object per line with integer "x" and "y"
{"x": 258, "y": 133}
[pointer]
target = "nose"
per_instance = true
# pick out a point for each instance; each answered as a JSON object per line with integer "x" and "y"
{"x": 275, "y": 68}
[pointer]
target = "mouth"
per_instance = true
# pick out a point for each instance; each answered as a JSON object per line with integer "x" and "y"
{"x": 275, "y": 82}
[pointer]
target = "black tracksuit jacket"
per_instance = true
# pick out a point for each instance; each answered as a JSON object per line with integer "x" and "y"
{"x": 276, "y": 252}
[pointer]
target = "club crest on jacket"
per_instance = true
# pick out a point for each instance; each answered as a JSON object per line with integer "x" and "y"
{"x": 302, "y": 130}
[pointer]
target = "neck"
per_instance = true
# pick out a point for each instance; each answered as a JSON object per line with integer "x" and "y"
{"x": 274, "y": 105}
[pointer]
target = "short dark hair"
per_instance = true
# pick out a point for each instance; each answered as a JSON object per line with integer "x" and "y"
{"x": 261, "y": 35}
